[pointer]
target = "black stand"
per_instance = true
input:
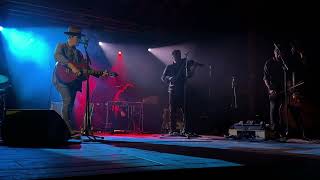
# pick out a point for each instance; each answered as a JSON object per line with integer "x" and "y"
{"x": 186, "y": 130}
{"x": 87, "y": 128}
{"x": 233, "y": 111}
{"x": 286, "y": 102}
{"x": 234, "y": 104}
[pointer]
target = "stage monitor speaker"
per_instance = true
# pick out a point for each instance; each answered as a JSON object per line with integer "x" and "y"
{"x": 34, "y": 127}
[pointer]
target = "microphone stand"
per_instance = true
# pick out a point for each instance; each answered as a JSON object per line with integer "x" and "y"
{"x": 186, "y": 131}
{"x": 285, "y": 69}
{"x": 234, "y": 102}
{"x": 87, "y": 126}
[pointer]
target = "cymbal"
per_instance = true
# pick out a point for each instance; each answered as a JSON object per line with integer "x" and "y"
{"x": 3, "y": 79}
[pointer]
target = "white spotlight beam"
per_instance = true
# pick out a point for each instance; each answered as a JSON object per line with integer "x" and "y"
{"x": 164, "y": 53}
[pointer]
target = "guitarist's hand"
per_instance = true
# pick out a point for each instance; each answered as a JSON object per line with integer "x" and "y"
{"x": 76, "y": 71}
{"x": 105, "y": 74}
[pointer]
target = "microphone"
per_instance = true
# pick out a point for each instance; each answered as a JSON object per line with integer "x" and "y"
{"x": 84, "y": 40}
{"x": 277, "y": 48}
{"x": 281, "y": 58}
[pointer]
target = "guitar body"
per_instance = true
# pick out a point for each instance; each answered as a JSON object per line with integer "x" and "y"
{"x": 66, "y": 76}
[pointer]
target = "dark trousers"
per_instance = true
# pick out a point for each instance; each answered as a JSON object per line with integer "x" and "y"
{"x": 68, "y": 95}
{"x": 275, "y": 116}
{"x": 175, "y": 104}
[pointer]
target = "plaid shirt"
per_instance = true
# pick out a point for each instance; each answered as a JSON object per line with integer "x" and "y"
{"x": 65, "y": 54}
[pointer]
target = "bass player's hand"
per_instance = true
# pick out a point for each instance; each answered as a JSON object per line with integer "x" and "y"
{"x": 272, "y": 92}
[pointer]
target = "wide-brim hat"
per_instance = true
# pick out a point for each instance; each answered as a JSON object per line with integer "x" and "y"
{"x": 74, "y": 31}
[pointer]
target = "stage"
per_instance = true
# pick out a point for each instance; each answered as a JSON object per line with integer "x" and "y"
{"x": 146, "y": 155}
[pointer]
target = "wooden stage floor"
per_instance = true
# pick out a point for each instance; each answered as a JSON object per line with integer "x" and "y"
{"x": 150, "y": 155}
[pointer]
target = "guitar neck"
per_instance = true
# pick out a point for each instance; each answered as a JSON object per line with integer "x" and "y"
{"x": 95, "y": 73}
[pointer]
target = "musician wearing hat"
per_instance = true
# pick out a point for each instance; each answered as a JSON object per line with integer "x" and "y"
{"x": 68, "y": 57}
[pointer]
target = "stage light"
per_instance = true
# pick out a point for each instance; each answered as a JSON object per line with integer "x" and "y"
{"x": 1, "y": 28}
{"x": 119, "y": 53}
{"x": 149, "y": 49}
{"x": 26, "y": 45}
{"x": 100, "y": 43}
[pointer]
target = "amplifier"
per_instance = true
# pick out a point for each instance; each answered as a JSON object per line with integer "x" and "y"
{"x": 249, "y": 130}
{"x": 248, "y": 134}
